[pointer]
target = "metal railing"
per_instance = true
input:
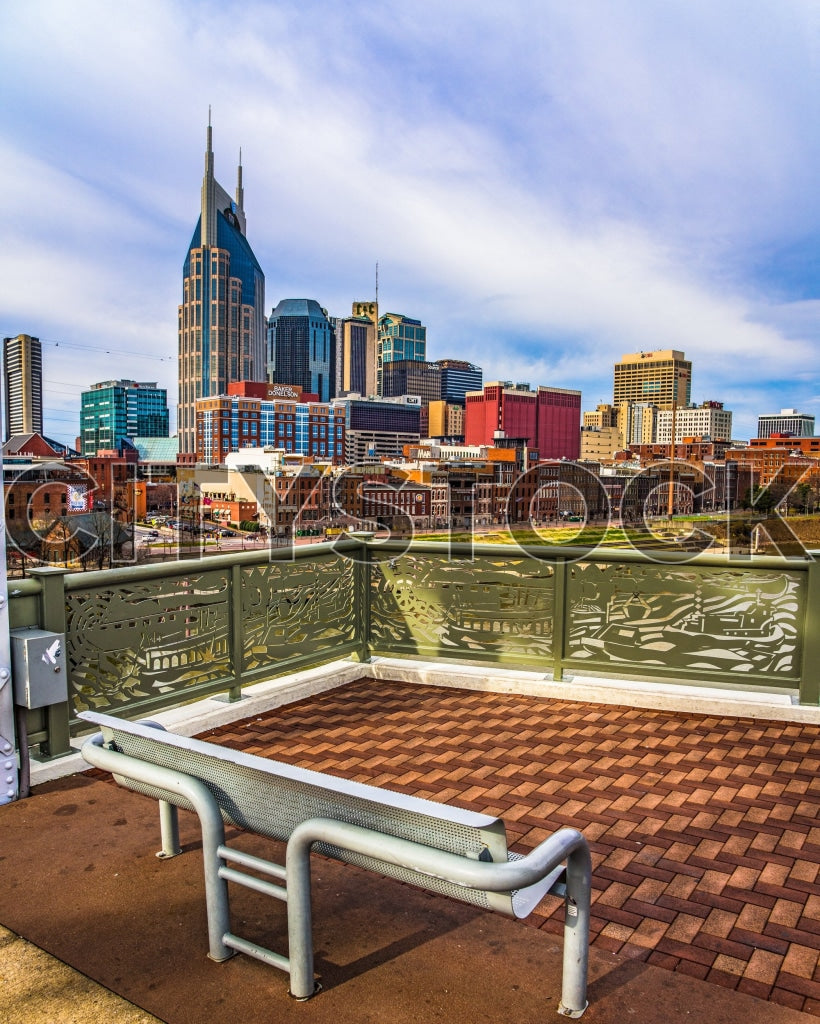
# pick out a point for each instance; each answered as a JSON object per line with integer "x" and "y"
{"x": 146, "y": 637}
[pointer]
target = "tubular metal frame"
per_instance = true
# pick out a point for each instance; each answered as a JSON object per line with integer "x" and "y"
{"x": 566, "y": 845}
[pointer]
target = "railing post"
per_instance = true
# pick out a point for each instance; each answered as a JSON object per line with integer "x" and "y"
{"x": 559, "y": 618}
{"x": 809, "y": 674}
{"x": 53, "y": 618}
{"x": 237, "y": 633}
{"x": 362, "y": 569}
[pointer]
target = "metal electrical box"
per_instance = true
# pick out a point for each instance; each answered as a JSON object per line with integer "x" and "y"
{"x": 38, "y": 667}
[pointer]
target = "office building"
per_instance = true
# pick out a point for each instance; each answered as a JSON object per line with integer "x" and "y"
{"x": 23, "y": 385}
{"x": 399, "y": 337}
{"x": 412, "y": 377}
{"x": 271, "y": 416}
{"x": 115, "y": 411}
{"x": 457, "y": 378}
{"x": 500, "y": 409}
{"x": 558, "y": 423}
{"x": 662, "y": 378}
{"x": 356, "y": 350}
{"x": 787, "y": 421}
{"x": 709, "y": 421}
{"x": 301, "y": 347}
{"x": 604, "y": 416}
{"x": 377, "y": 428}
{"x": 639, "y": 423}
{"x": 222, "y": 318}
{"x": 445, "y": 420}
{"x": 599, "y": 444}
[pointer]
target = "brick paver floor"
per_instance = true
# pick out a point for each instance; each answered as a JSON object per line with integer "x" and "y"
{"x": 704, "y": 831}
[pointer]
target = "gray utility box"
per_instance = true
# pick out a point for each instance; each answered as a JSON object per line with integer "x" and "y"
{"x": 38, "y": 667}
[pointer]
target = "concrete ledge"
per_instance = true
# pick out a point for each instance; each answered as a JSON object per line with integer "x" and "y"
{"x": 212, "y": 713}
{"x": 666, "y": 696}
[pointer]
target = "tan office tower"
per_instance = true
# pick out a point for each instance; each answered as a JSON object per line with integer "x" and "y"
{"x": 358, "y": 349}
{"x": 23, "y": 385}
{"x": 662, "y": 378}
{"x": 222, "y": 316}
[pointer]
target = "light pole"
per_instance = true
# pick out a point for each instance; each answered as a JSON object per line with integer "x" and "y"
{"x": 677, "y": 381}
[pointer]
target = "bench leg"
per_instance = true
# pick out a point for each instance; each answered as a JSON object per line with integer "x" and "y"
{"x": 197, "y": 794}
{"x": 300, "y": 926}
{"x": 576, "y": 933}
{"x": 169, "y": 830}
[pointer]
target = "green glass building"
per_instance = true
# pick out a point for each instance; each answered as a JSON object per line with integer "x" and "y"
{"x": 114, "y": 411}
{"x": 399, "y": 338}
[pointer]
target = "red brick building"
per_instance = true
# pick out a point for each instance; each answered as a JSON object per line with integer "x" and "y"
{"x": 548, "y": 420}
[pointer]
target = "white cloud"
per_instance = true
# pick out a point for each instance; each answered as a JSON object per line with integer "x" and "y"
{"x": 546, "y": 186}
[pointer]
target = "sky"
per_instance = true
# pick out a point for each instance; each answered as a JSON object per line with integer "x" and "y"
{"x": 545, "y": 185}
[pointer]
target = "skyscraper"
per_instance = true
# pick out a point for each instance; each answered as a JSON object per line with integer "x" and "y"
{"x": 412, "y": 377}
{"x": 663, "y": 378}
{"x": 222, "y": 318}
{"x": 300, "y": 347}
{"x": 117, "y": 410}
{"x": 457, "y": 378}
{"x": 356, "y": 350}
{"x": 23, "y": 385}
{"x": 400, "y": 337}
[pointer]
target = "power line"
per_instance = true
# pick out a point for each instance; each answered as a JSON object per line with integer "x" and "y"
{"x": 51, "y": 343}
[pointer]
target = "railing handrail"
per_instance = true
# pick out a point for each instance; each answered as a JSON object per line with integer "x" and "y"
{"x": 570, "y": 553}
{"x": 188, "y": 566}
{"x": 77, "y": 580}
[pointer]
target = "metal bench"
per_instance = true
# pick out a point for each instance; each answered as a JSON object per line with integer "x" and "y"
{"x": 437, "y": 847}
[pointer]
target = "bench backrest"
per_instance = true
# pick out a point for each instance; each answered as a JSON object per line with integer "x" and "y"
{"x": 271, "y": 798}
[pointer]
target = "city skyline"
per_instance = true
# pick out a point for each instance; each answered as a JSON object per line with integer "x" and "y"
{"x": 543, "y": 189}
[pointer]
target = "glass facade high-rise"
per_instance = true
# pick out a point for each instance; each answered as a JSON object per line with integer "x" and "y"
{"x": 400, "y": 337}
{"x": 301, "y": 347}
{"x": 457, "y": 378}
{"x": 23, "y": 385}
{"x": 114, "y": 411}
{"x": 221, "y": 319}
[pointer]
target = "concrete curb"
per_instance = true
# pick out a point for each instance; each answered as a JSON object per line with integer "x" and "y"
{"x": 214, "y": 712}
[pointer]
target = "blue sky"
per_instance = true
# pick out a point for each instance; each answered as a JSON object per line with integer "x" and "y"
{"x": 546, "y": 185}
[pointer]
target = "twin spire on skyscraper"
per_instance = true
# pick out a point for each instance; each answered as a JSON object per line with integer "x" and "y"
{"x": 216, "y": 200}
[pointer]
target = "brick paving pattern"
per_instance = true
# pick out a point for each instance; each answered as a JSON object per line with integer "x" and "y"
{"x": 704, "y": 831}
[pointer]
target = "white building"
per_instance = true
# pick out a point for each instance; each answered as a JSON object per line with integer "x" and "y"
{"x": 787, "y": 421}
{"x": 709, "y": 421}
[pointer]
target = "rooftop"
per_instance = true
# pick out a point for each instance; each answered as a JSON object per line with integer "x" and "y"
{"x": 703, "y": 830}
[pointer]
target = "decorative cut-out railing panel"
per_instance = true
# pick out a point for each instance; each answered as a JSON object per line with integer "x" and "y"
{"x": 294, "y": 610}
{"x": 493, "y": 608}
{"x": 688, "y": 621}
{"x": 130, "y": 643}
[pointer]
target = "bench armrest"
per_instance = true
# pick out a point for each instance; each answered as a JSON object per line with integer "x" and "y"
{"x": 566, "y": 845}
